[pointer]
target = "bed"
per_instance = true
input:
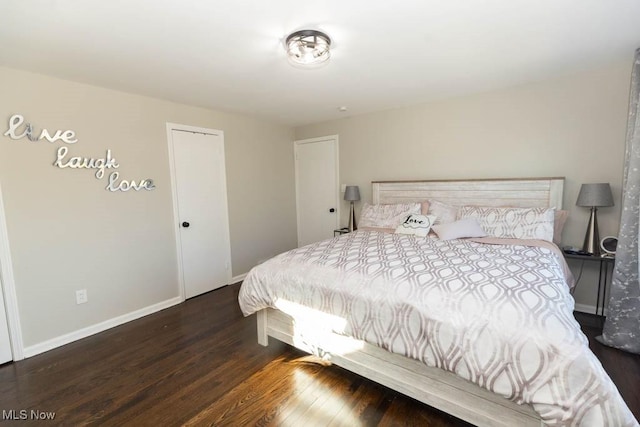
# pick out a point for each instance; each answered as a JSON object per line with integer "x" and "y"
{"x": 340, "y": 299}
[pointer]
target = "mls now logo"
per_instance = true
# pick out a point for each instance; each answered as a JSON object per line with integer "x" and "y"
{"x": 24, "y": 414}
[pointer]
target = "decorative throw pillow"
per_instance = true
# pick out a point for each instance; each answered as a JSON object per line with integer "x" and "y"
{"x": 445, "y": 213}
{"x": 467, "y": 227}
{"x": 386, "y": 216}
{"x": 424, "y": 207}
{"x": 558, "y": 224}
{"x": 513, "y": 223}
{"x": 418, "y": 225}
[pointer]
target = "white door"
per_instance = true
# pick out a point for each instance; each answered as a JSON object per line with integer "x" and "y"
{"x": 5, "y": 343}
{"x": 317, "y": 193}
{"x": 6, "y": 354}
{"x": 200, "y": 193}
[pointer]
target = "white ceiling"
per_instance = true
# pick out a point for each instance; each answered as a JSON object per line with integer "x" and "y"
{"x": 228, "y": 55}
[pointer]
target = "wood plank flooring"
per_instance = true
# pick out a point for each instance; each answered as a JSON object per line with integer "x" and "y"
{"x": 198, "y": 363}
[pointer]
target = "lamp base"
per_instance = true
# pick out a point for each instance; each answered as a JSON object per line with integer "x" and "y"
{"x": 592, "y": 238}
{"x": 352, "y": 219}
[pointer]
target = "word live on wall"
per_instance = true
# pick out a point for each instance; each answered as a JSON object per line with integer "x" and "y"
{"x": 18, "y": 131}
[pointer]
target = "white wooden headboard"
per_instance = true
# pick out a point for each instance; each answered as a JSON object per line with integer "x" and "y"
{"x": 514, "y": 192}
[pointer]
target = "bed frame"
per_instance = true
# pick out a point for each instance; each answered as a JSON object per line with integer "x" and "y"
{"x": 432, "y": 386}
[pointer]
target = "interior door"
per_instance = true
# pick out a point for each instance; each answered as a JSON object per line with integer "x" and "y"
{"x": 5, "y": 343}
{"x": 201, "y": 192}
{"x": 317, "y": 193}
{"x": 6, "y": 353}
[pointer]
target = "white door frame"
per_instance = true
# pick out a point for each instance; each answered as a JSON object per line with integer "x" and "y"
{"x": 174, "y": 192}
{"x": 9, "y": 288}
{"x": 295, "y": 154}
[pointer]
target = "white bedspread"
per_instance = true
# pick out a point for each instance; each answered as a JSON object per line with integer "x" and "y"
{"x": 497, "y": 315}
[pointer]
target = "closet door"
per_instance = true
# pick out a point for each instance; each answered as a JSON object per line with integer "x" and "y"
{"x": 202, "y": 215}
{"x": 317, "y": 193}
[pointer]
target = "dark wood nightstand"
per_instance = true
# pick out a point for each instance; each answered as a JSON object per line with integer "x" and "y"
{"x": 603, "y": 275}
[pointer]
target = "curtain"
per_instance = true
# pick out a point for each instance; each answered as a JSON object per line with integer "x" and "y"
{"x": 622, "y": 327}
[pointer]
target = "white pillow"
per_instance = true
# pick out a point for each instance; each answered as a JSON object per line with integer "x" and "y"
{"x": 467, "y": 227}
{"x": 444, "y": 212}
{"x": 386, "y": 216}
{"x": 418, "y": 225}
{"x": 513, "y": 223}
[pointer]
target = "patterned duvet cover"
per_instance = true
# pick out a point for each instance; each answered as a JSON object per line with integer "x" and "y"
{"x": 498, "y": 315}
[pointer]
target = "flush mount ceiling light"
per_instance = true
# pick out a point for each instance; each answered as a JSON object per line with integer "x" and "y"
{"x": 308, "y": 47}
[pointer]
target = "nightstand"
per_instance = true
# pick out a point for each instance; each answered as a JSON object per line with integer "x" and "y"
{"x": 340, "y": 231}
{"x": 603, "y": 275}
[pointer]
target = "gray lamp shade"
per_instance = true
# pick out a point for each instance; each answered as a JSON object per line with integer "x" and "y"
{"x": 352, "y": 193}
{"x": 595, "y": 195}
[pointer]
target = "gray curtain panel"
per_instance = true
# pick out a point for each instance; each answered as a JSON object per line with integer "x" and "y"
{"x": 622, "y": 327}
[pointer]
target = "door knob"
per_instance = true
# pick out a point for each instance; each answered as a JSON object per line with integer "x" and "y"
{"x": 186, "y": 224}
{"x": 332, "y": 210}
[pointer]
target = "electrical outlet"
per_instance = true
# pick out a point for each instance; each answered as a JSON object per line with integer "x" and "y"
{"x": 81, "y": 296}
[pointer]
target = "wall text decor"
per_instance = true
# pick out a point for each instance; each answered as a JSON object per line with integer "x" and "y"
{"x": 62, "y": 161}
{"x": 86, "y": 163}
{"x": 16, "y": 120}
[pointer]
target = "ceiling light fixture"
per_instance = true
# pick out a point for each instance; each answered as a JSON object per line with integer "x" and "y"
{"x": 308, "y": 47}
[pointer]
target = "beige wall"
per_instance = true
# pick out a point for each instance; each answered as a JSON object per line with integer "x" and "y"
{"x": 66, "y": 232}
{"x": 573, "y": 127}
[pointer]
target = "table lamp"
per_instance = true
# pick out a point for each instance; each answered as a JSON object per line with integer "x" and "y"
{"x": 594, "y": 196}
{"x": 352, "y": 194}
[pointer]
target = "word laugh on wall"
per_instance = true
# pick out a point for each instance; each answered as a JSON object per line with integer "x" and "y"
{"x": 18, "y": 130}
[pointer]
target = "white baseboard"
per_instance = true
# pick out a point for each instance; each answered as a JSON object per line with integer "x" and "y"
{"x": 99, "y": 327}
{"x": 238, "y": 278}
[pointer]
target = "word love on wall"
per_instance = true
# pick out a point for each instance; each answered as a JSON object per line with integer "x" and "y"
{"x": 18, "y": 129}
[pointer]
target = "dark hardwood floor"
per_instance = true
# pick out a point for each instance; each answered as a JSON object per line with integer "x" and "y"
{"x": 198, "y": 363}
